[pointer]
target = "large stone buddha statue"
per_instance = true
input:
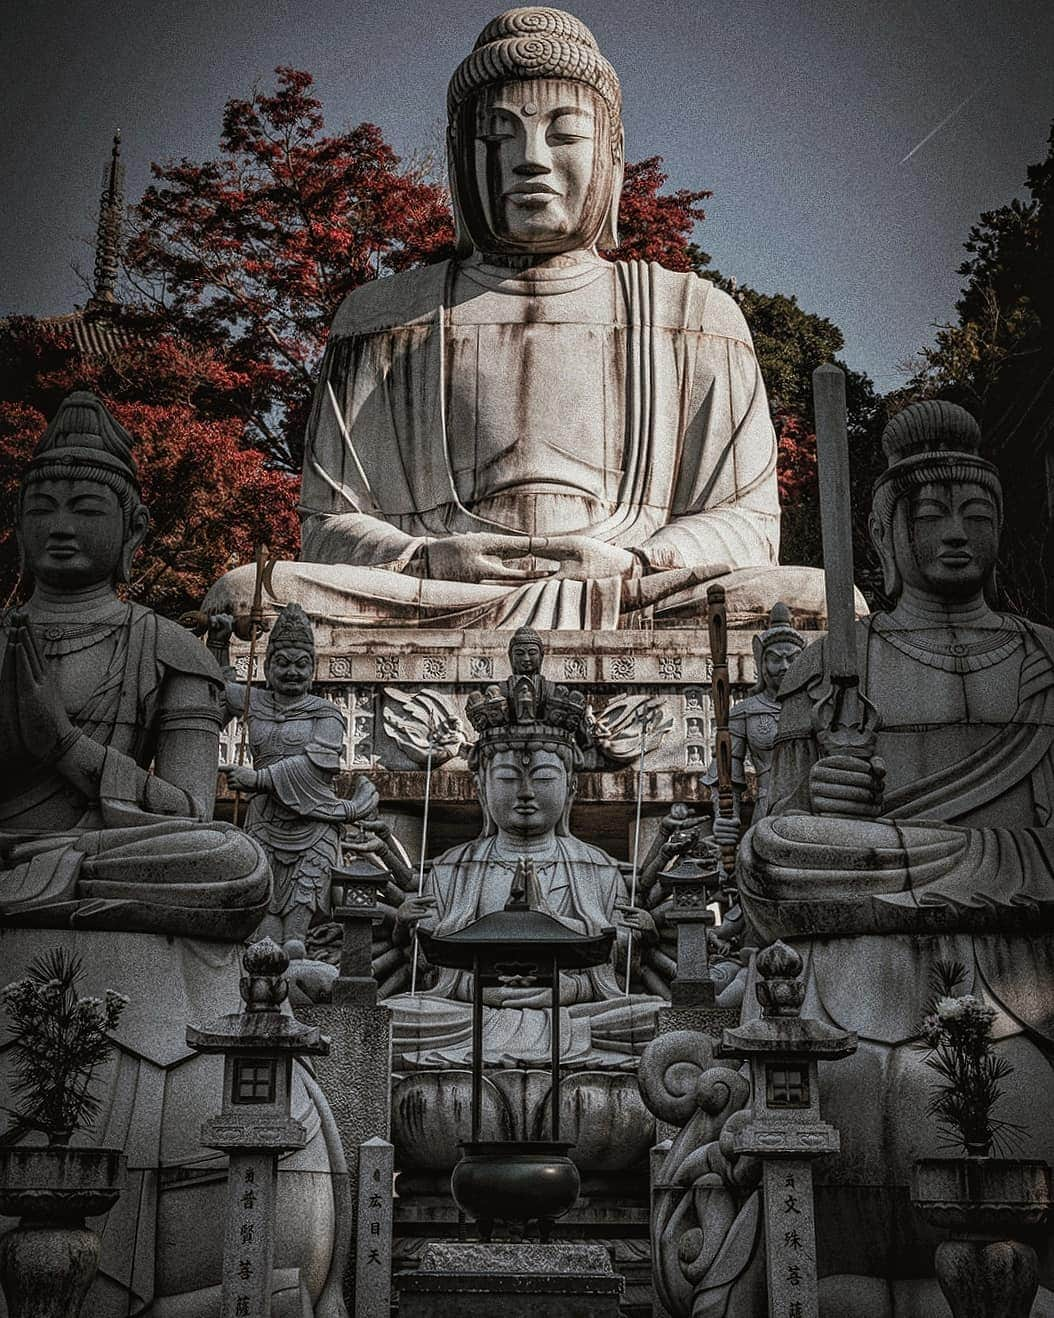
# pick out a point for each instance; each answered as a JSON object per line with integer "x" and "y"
{"x": 530, "y": 433}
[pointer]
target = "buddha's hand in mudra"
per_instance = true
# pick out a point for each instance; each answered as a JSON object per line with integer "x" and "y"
{"x": 509, "y": 559}
{"x": 581, "y": 558}
{"x": 43, "y": 726}
{"x": 414, "y": 911}
{"x": 847, "y": 786}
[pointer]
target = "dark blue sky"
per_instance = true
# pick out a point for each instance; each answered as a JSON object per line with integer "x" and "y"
{"x": 797, "y": 113}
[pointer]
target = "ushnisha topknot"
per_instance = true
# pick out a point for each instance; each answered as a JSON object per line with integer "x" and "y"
{"x": 536, "y": 42}
{"x": 525, "y": 634}
{"x": 292, "y": 630}
{"x": 83, "y": 434}
{"x": 930, "y": 427}
{"x": 934, "y": 441}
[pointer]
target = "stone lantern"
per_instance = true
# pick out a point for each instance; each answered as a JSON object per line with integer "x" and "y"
{"x": 691, "y": 882}
{"x": 255, "y": 1123}
{"x": 786, "y": 1130}
{"x": 357, "y": 889}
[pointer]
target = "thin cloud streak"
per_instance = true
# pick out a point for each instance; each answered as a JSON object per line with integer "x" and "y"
{"x": 934, "y": 131}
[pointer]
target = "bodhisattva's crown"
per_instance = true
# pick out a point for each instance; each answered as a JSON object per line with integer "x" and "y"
{"x": 526, "y": 709}
{"x": 83, "y": 433}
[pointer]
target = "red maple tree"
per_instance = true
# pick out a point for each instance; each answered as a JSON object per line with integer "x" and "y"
{"x": 211, "y": 495}
{"x": 658, "y": 226}
{"x": 252, "y": 252}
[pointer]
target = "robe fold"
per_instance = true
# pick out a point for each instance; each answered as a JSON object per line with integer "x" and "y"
{"x": 622, "y": 402}
{"x": 140, "y": 856}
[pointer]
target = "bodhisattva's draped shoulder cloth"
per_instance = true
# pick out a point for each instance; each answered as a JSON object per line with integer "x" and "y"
{"x": 143, "y": 854}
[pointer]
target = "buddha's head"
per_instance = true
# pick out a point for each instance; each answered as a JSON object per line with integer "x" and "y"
{"x": 535, "y": 138}
{"x": 938, "y": 507}
{"x": 289, "y": 664}
{"x": 80, "y": 516}
{"x": 775, "y": 650}
{"x": 525, "y": 652}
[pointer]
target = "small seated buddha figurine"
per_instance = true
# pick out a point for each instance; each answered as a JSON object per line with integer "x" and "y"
{"x": 296, "y": 740}
{"x": 921, "y": 833}
{"x": 524, "y": 764}
{"x": 109, "y": 718}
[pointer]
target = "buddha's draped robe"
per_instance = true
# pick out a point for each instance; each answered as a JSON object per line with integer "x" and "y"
{"x": 143, "y": 855}
{"x": 623, "y": 402}
{"x": 600, "y": 1027}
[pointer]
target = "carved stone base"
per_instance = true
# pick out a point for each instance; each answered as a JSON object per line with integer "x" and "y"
{"x": 517, "y": 1281}
{"x": 46, "y": 1271}
{"x": 601, "y": 1114}
{"x": 988, "y": 1279}
{"x": 393, "y": 684}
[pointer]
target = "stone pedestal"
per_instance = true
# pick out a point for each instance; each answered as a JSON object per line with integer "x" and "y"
{"x": 515, "y": 1281}
{"x": 355, "y": 1077}
{"x": 389, "y": 681}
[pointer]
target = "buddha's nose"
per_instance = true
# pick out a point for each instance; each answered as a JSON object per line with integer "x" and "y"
{"x": 537, "y": 157}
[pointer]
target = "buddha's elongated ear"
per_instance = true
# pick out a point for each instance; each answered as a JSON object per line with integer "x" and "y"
{"x": 882, "y": 538}
{"x": 608, "y": 238}
{"x": 463, "y": 244}
{"x": 138, "y": 526}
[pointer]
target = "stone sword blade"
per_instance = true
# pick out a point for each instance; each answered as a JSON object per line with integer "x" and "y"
{"x": 832, "y": 458}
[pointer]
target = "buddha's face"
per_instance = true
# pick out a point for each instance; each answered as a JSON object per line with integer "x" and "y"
{"x": 290, "y": 671}
{"x": 72, "y": 533}
{"x": 537, "y": 175}
{"x": 778, "y": 657}
{"x": 526, "y": 792}
{"x": 946, "y": 538}
{"x": 525, "y": 657}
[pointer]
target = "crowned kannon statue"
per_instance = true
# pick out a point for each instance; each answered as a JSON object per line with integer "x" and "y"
{"x": 529, "y": 433}
{"x": 920, "y": 832}
{"x": 530, "y": 744}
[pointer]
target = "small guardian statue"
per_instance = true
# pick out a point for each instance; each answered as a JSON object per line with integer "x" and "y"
{"x": 754, "y": 719}
{"x": 296, "y": 740}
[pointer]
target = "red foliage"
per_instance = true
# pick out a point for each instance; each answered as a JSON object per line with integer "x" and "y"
{"x": 657, "y": 227}
{"x": 796, "y": 476}
{"x": 210, "y": 495}
{"x": 252, "y": 252}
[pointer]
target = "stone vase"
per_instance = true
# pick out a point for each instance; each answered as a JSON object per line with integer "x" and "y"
{"x": 48, "y": 1262}
{"x": 983, "y": 1270}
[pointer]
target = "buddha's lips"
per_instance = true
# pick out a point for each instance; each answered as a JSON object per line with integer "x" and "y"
{"x": 955, "y": 560}
{"x": 531, "y": 190}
